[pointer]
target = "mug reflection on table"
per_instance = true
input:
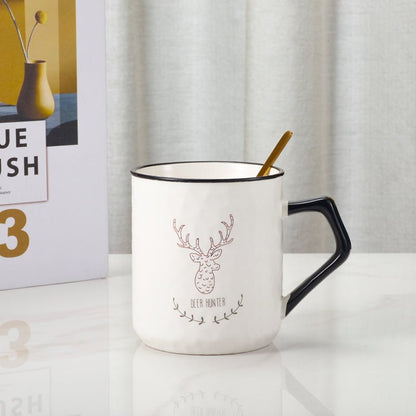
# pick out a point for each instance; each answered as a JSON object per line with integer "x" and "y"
{"x": 248, "y": 384}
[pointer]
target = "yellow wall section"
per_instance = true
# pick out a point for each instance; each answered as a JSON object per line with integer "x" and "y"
{"x": 67, "y": 46}
{"x": 53, "y": 42}
{"x": 11, "y": 55}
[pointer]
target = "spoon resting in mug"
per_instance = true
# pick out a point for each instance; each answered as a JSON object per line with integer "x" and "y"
{"x": 265, "y": 169}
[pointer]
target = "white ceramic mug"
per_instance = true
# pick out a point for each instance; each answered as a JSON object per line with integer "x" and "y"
{"x": 207, "y": 255}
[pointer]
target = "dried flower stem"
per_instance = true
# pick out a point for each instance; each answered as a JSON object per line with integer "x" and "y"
{"x": 30, "y": 38}
{"x": 17, "y": 30}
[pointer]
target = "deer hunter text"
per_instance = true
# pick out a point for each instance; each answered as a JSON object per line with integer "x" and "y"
{"x": 207, "y": 303}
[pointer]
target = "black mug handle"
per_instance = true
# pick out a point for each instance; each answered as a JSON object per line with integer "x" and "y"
{"x": 327, "y": 207}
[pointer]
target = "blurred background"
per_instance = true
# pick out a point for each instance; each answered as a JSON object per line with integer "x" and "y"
{"x": 222, "y": 80}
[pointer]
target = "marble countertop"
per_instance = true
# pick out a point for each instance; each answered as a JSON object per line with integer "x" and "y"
{"x": 347, "y": 349}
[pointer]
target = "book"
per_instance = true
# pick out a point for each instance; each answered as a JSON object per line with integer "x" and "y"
{"x": 53, "y": 193}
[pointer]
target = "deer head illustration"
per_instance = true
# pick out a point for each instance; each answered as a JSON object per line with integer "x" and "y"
{"x": 204, "y": 277}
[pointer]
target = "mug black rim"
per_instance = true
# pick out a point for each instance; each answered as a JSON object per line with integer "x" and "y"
{"x": 200, "y": 180}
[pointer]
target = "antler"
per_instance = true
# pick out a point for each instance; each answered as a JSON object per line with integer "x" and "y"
{"x": 223, "y": 240}
{"x": 186, "y": 243}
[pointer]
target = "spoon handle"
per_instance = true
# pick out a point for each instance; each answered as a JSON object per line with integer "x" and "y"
{"x": 265, "y": 169}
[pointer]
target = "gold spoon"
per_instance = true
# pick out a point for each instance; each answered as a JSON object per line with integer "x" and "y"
{"x": 265, "y": 169}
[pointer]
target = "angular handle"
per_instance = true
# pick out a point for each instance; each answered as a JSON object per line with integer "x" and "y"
{"x": 327, "y": 207}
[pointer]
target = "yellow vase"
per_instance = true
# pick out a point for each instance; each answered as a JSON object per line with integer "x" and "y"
{"x": 35, "y": 100}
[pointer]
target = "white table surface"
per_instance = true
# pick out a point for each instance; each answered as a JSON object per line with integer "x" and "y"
{"x": 348, "y": 349}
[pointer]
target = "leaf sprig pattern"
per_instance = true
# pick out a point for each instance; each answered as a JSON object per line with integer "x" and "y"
{"x": 233, "y": 311}
{"x": 191, "y": 318}
{"x": 183, "y": 314}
